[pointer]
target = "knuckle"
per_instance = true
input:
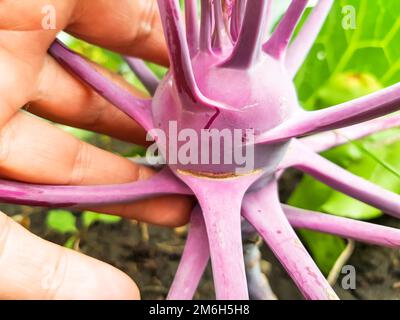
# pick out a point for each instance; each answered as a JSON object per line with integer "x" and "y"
{"x": 54, "y": 275}
{"x": 7, "y": 135}
{"x": 5, "y": 230}
{"x": 80, "y": 164}
{"x": 147, "y": 21}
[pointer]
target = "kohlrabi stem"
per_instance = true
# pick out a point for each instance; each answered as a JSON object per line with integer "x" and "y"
{"x": 239, "y": 8}
{"x": 346, "y": 114}
{"x": 194, "y": 260}
{"x": 263, "y": 210}
{"x": 327, "y": 140}
{"x": 206, "y": 26}
{"x": 249, "y": 44}
{"x": 259, "y": 287}
{"x": 180, "y": 58}
{"x": 143, "y": 72}
{"x": 346, "y": 182}
{"x": 301, "y": 46}
{"x": 277, "y": 45}
{"x": 221, "y": 38}
{"x": 343, "y": 227}
{"x": 137, "y": 109}
{"x": 192, "y": 26}
{"x": 163, "y": 183}
{"x": 222, "y": 215}
{"x": 178, "y": 49}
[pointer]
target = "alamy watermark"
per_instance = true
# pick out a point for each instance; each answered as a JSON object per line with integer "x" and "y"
{"x": 205, "y": 147}
{"x": 349, "y": 277}
{"x": 349, "y": 21}
{"x": 49, "y": 21}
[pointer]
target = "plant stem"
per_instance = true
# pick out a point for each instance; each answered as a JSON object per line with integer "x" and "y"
{"x": 248, "y": 47}
{"x": 327, "y": 140}
{"x": 259, "y": 287}
{"x": 276, "y": 46}
{"x": 221, "y": 38}
{"x": 194, "y": 260}
{"x": 346, "y": 114}
{"x": 222, "y": 216}
{"x": 263, "y": 210}
{"x": 346, "y": 182}
{"x": 136, "y": 108}
{"x": 181, "y": 64}
{"x": 343, "y": 227}
{"x": 163, "y": 183}
{"x": 237, "y": 18}
{"x": 143, "y": 72}
{"x": 192, "y": 26}
{"x": 305, "y": 40}
{"x": 206, "y": 26}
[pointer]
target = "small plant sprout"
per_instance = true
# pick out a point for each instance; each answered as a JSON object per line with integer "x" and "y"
{"x": 228, "y": 73}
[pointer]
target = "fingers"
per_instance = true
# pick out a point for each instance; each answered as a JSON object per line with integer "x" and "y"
{"x": 36, "y": 152}
{"x": 63, "y": 98}
{"x": 131, "y": 27}
{"x": 32, "y": 268}
{"x": 139, "y": 32}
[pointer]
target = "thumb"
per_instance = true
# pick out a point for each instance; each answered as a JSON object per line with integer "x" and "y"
{"x": 32, "y": 268}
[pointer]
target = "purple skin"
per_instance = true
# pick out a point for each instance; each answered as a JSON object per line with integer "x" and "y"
{"x": 148, "y": 79}
{"x": 260, "y": 94}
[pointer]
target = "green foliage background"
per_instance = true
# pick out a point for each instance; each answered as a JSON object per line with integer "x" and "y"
{"x": 343, "y": 65}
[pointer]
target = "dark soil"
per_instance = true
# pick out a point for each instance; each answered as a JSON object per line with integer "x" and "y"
{"x": 152, "y": 264}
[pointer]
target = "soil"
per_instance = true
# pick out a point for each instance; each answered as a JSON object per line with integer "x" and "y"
{"x": 152, "y": 263}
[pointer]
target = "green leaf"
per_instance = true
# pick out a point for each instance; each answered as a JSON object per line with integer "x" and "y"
{"x": 344, "y": 65}
{"x": 372, "y": 48}
{"x": 89, "y": 218}
{"x": 372, "y": 170}
{"x": 326, "y": 249}
{"x": 61, "y": 221}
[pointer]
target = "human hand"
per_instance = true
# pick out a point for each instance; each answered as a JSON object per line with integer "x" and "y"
{"x": 34, "y": 151}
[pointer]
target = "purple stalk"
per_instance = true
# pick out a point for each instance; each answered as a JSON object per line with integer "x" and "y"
{"x": 145, "y": 75}
{"x": 259, "y": 287}
{"x": 263, "y": 210}
{"x": 371, "y": 106}
{"x": 181, "y": 64}
{"x": 346, "y": 182}
{"x": 305, "y": 40}
{"x": 223, "y": 222}
{"x": 237, "y": 18}
{"x": 276, "y": 46}
{"x": 192, "y": 26}
{"x": 248, "y": 47}
{"x": 327, "y": 140}
{"x": 343, "y": 227}
{"x": 163, "y": 183}
{"x": 178, "y": 50}
{"x": 137, "y": 109}
{"x": 206, "y": 26}
{"x": 221, "y": 38}
{"x": 194, "y": 260}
